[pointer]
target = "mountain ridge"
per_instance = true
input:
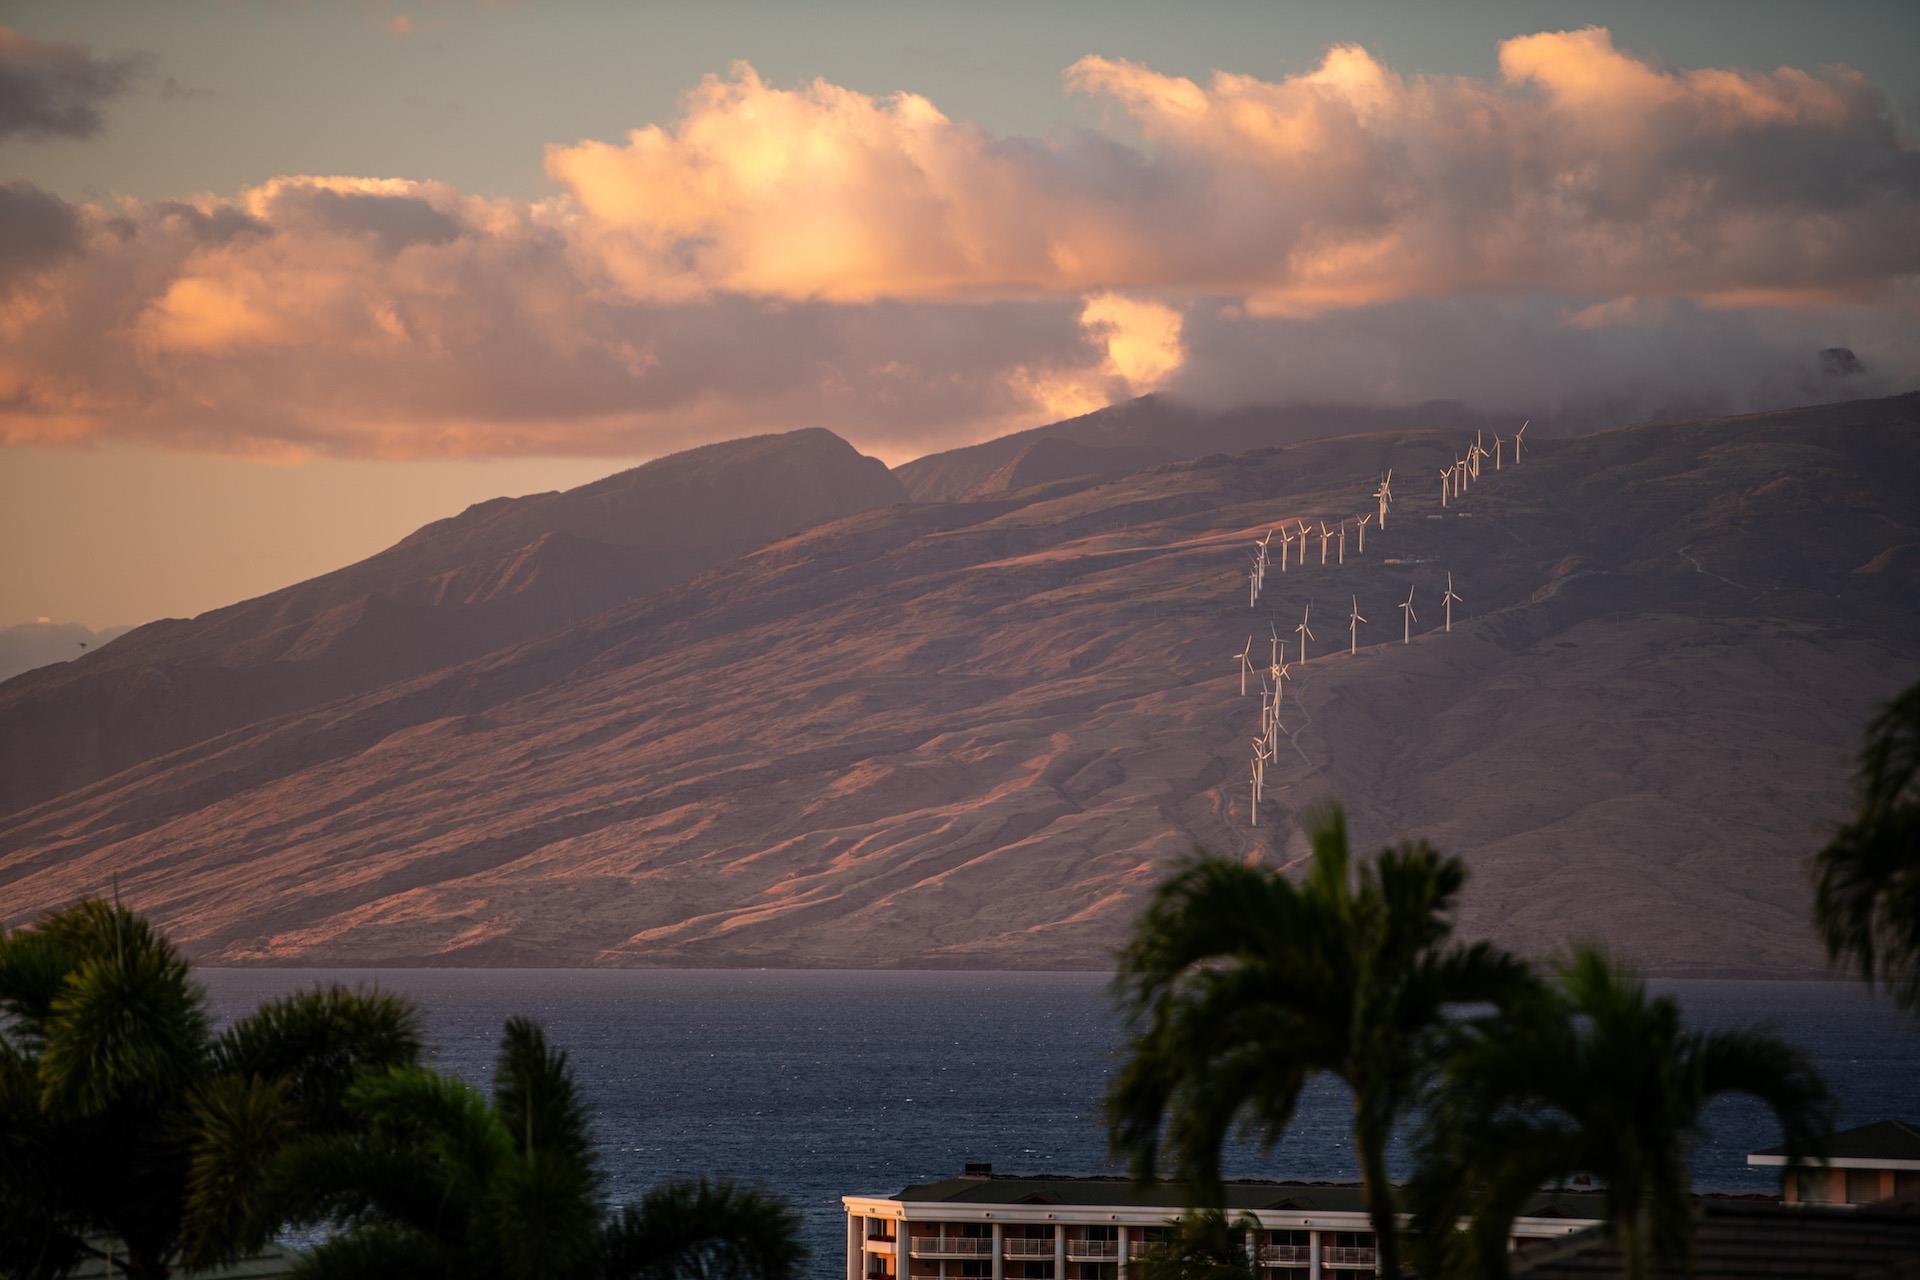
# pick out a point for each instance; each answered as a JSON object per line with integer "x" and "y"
{"x": 500, "y": 572}
{"x": 976, "y": 733}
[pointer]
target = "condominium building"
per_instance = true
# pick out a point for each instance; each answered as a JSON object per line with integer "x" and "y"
{"x": 1879, "y": 1161}
{"x": 983, "y": 1226}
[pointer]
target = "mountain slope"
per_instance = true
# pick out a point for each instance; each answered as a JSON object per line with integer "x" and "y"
{"x": 501, "y": 572}
{"x": 978, "y": 732}
{"x": 1124, "y": 437}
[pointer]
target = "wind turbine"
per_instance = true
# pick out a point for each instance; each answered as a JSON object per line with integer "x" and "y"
{"x": 1305, "y": 633}
{"x": 1285, "y": 538}
{"x": 1360, "y": 523}
{"x": 1245, "y": 666}
{"x": 1406, "y": 631}
{"x": 1353, "y": 628}
{"x": 1324, "y": 535}
{"x": 1476, "y": 453}
{"x": 1516, "y": 441}
{"x": 1304, "y": 531}
{"x": 1449, "y": 598}
{"x": 1343, "y": 541}
{"x": 1273, "y": 639}
{"x": 1446, "y": 483}
{"x": 1496, "y": 451}
{"x": 1253, "y": 583}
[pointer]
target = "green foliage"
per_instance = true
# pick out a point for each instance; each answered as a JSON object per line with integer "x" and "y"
{"x": 702, "y": 1230}
{"x": 1867, "y": 879}
{"x": 1203, "y": 1245}
{"x": 1596, "y": 1077}
{"x": 1239, "y": 986}
{"x": 122, "y": 1115}
{"x": 432, "y": 1179}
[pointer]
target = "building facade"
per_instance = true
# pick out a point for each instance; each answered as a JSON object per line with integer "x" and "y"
{"x": 980, "y": 1226}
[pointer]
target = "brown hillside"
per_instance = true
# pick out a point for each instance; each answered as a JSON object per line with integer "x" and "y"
{"x": 499, "y": 573}
{"x": 976, "y": 733}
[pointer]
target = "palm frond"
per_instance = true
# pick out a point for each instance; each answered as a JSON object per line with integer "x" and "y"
{"x": 703, "y": 1230}
{"x": 319, "y": 1041}
{"x": 128, "y": 1022}
{"x": 239, "y": 1125}
{"x": 379, "y": 1251}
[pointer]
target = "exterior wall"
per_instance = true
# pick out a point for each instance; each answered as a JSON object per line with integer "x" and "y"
{"x": 947, "y": 1241}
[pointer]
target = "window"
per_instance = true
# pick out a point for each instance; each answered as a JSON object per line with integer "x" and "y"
{"x": 1863, "y": 1186}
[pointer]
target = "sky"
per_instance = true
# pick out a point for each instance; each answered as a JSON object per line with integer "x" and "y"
{"x": 281, "y": 281}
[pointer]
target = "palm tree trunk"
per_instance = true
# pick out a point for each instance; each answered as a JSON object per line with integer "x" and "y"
{"x": 1370, "y": 1140}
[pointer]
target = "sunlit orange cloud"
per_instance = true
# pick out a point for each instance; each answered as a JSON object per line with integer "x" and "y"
{"x": 780, "y": 256}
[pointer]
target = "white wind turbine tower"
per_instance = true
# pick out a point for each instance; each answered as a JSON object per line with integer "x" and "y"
{"x": 1305, "y": 633}
{"x": 1324, "y": 535}
{"x": 1476, "y": 453}
{"x": 1253, "y": 582}
{"x": 1516, "y": 441}
{"x": 1305, "y": 533}
{"x": 1343, "y": 541}
{"x": 1273, "y": 642}
{"x": 1446, "y": 483}
{"x": 1285, "y": 538}
{"x": 1360, "y": 523}
{"x": 1259, "y": 775}
{"x": 1245, "y": 666}
{"x": 1449, "y": 598}
{"x": 1409, "y": 618}
{"x": 1496, "y": 451}
{"x": 1353, "y": 628}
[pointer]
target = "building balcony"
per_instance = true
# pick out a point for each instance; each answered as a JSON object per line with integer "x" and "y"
{"x": 1286, "y": 1255}
{"x": 951, "y": 1247}
{"x": 1348, "y": 1256}
{"x": 1017, "y": 1248}
{"x": 882, "y": 1245}
{"x": 1092, "y": 1250}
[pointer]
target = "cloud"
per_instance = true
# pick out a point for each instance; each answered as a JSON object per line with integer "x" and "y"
{"x": 51, "y": 89}
{"x": 1581, "y": 170}
{"x": 36, "y": 231}
{"x": 1589, "y": 233}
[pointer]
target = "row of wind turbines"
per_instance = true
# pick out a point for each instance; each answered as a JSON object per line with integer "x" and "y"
{"x": 1454, "y": 482}
{"x": 1337, "y": 536}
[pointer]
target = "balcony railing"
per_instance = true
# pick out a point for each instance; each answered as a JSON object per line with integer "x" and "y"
{"x": 1092, "y": 1250}
{"x": 1285, "y": 1255}
{"x": 951, "y": 1247}
{"x": 1019, "y": 1248}
{"x": 1335, "y": 1255}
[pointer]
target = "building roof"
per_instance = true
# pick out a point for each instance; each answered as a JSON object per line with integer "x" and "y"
{"x": 1746, "y": 1240}
{"x": 1894, "y": 1140}
{"x": 1240, "y": 1195}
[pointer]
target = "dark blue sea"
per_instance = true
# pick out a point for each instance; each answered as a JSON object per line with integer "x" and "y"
{"x": 822, "y": 1084}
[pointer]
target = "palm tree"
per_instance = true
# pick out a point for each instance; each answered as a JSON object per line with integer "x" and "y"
{"x": 1867, "y": 895}
{"x": 1202, "y": 1246}
{"x": 1238, "y": 986}
{"x": 436, "y": 1180}
{"x": 1595, "y": 1077}
{"x": 122, "y": 1116}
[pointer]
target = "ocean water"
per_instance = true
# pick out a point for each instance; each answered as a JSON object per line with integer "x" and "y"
{"x": 820, "y": 1084}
